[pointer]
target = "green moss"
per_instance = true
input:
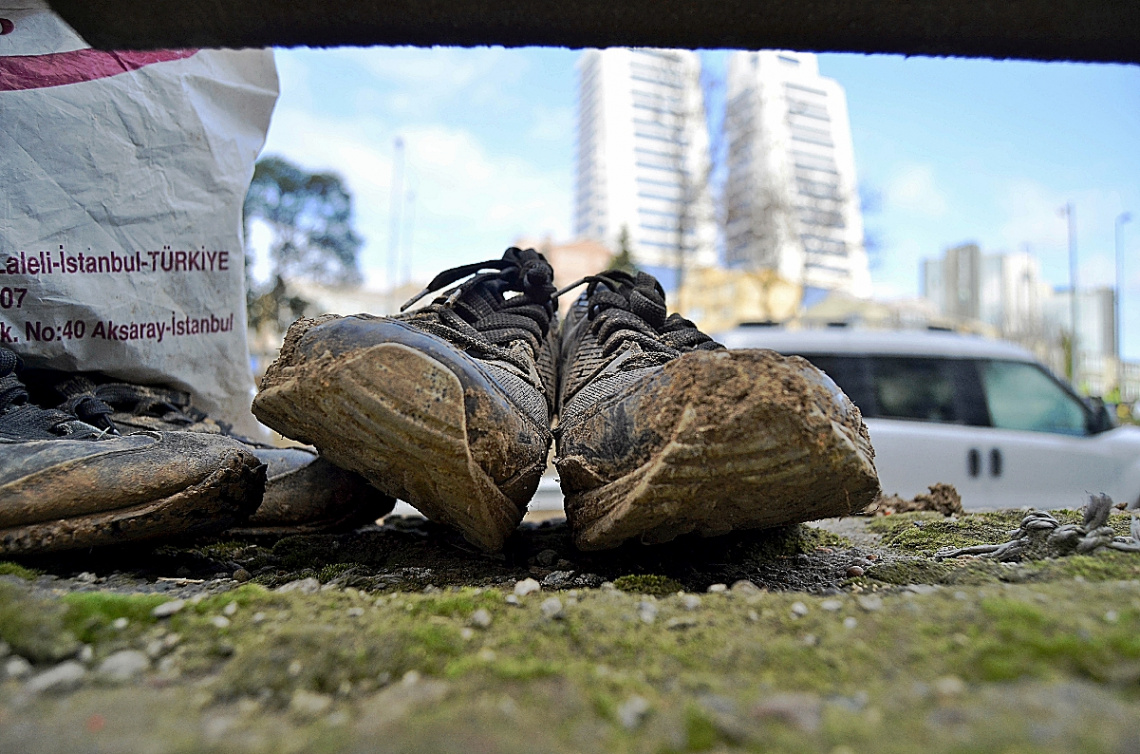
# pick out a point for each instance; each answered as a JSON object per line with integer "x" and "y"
{"x": 914, "y": 571}
{"x": 332, "y": 570}
{"x": 34, "y": 627}
{"x": 648, "y": 583}
{"x": 8, "y": 568}
{"x": 700, "y": 732}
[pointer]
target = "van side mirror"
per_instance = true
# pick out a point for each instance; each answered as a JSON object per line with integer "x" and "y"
{"x": 1100, "y": 420}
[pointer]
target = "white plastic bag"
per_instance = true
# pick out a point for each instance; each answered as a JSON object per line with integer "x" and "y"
{"x": 122, "y": 177}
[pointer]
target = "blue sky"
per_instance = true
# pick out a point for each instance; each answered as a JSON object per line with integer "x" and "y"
{"x": 956, "y": 150}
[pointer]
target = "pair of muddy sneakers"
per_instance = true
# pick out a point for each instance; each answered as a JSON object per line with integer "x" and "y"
{"x": 114, "y": 463}
{"x": 660, "y": 431}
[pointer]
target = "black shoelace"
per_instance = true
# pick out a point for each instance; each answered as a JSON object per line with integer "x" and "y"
{"x": 624, "y": 309}
{"x": 22, "y": 420}
{"x": 477, "y": 316}
{"x": 95, "y": 403}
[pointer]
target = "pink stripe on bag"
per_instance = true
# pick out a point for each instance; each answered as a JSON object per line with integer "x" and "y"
{"x": 19, "y": 72}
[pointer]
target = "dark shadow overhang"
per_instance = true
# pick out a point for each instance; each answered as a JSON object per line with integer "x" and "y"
{"x": 1090, "y": 30}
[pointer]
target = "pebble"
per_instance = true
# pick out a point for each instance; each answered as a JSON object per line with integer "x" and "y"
{"x": 850, "y": 622}
{"x": 481, "y": 618}
{"x": 745, "y": 586}
{"x": 831, "y": 605}
{"x": 679, "y": 624}
{"x": 355, "y": 612}
{"x": 799, "y": 609}
{"x": 526, "y": 586}
{"x": 86, "y": 577}
{"x": 86, "y": 654}
{"x": 169, "y": 667}
{"x": 870, "y": 603}
{"x": 304, "y": 586}
{"x": 632, "y": 711}
{"x": 220, "y": 621}
{"x": 854, "y": 571}
{"x": 799, "y": 710}
{"x": 552, "y": 609}
{"x": 309, "y": 704}
{"x": 120, "y": 623}
{"x": 295, "y": 668}
{"x": 690, "y": 601}
{"x": 557, "y": 579}
{"x": 241, "y": 575}
{"x": 512, "y": 599}
{"x": 229, "y": 609}
{"x": 647, "y": 612}
{"x": 123, "y": 665}
{"x": 64, "y": 677}
{"x": 753, "y": 616}
{"x": 717, "y": 588}
{"x": 949, "y": 686}
{"x": 546, "y": 557}
{"x": 258, "y": 617}
{"x": 467, "y": 633}
{"x": 17, "y": 667}
{"x": 167, "y": 609}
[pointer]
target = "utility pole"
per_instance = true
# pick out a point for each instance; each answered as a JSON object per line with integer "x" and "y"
{"x": 1070, "y": 215}
{"x": 397, "y": 197}
{"x": 1122, "y": 218}
{"x": 409, "y": 234}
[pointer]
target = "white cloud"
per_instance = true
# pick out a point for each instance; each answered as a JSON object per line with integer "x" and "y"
{"x": 552, "y": 123}
{"x": 914, "y": 189}
{"x": 1035, "y": 219}
{"x": 413, "y": 81}
{"x": 469, "y": 204}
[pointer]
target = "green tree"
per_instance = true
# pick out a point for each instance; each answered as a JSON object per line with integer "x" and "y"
{"x": 623, "y": 260}
{"x": 310, "y": 218}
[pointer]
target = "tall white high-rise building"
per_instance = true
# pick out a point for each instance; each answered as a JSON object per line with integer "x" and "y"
{"x": 642, "y": 162}
{"x": 791, "y": 201}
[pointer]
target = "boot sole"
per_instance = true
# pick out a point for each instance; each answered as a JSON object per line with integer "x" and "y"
{"x": 397, "y": 417}
{"x": 224, "y": 498}
{"x": 757, "y": 463}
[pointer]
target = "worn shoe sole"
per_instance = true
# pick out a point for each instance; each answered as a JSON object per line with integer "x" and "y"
{"x": 398, "y": 417}
{"x": 305, "y": 494}
{"x": 209, "y": 505}
{"x": 751, "y": 440}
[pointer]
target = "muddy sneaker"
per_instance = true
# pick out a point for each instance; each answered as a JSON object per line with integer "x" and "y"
{"x": 65, "y": 484}
{"x": 304, "y": 493}
{"x": 447, "y": 407}
{"x": 662, "y": 431}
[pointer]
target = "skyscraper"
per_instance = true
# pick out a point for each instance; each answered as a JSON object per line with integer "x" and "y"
{"x": 642, "y": 160}
{"x": 791, "y": 201}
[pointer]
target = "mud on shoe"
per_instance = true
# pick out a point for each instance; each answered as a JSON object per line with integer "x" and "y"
{"x": 304, "y": 493}
{"x": 446, "y": 407}
{"x": 662, "y": 431}
{"x": 65, "y": 484}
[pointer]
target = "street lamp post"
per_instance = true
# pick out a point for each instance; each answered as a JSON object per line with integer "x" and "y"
{"x": 1070, "y": 215}
{"x": 1122, "y": 218}
{"x": 396, "y": 207}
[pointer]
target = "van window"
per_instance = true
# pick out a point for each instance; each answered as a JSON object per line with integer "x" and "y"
{"x": 851, "y": 375}
{"x": 915, "y": 388}
{"x": 1023, "y": 396}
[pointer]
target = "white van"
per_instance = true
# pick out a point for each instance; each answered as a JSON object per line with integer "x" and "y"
{"x": 980, "y": 414}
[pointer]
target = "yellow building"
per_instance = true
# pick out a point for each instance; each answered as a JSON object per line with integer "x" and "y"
{"x": 718, "y": 299}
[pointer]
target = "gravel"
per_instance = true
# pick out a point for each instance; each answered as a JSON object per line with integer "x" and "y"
{"x": 123, "y": 666}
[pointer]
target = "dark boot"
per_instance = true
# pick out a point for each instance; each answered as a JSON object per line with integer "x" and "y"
{"x": 661, "y": 431}
{"x": 447, "y": 407}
